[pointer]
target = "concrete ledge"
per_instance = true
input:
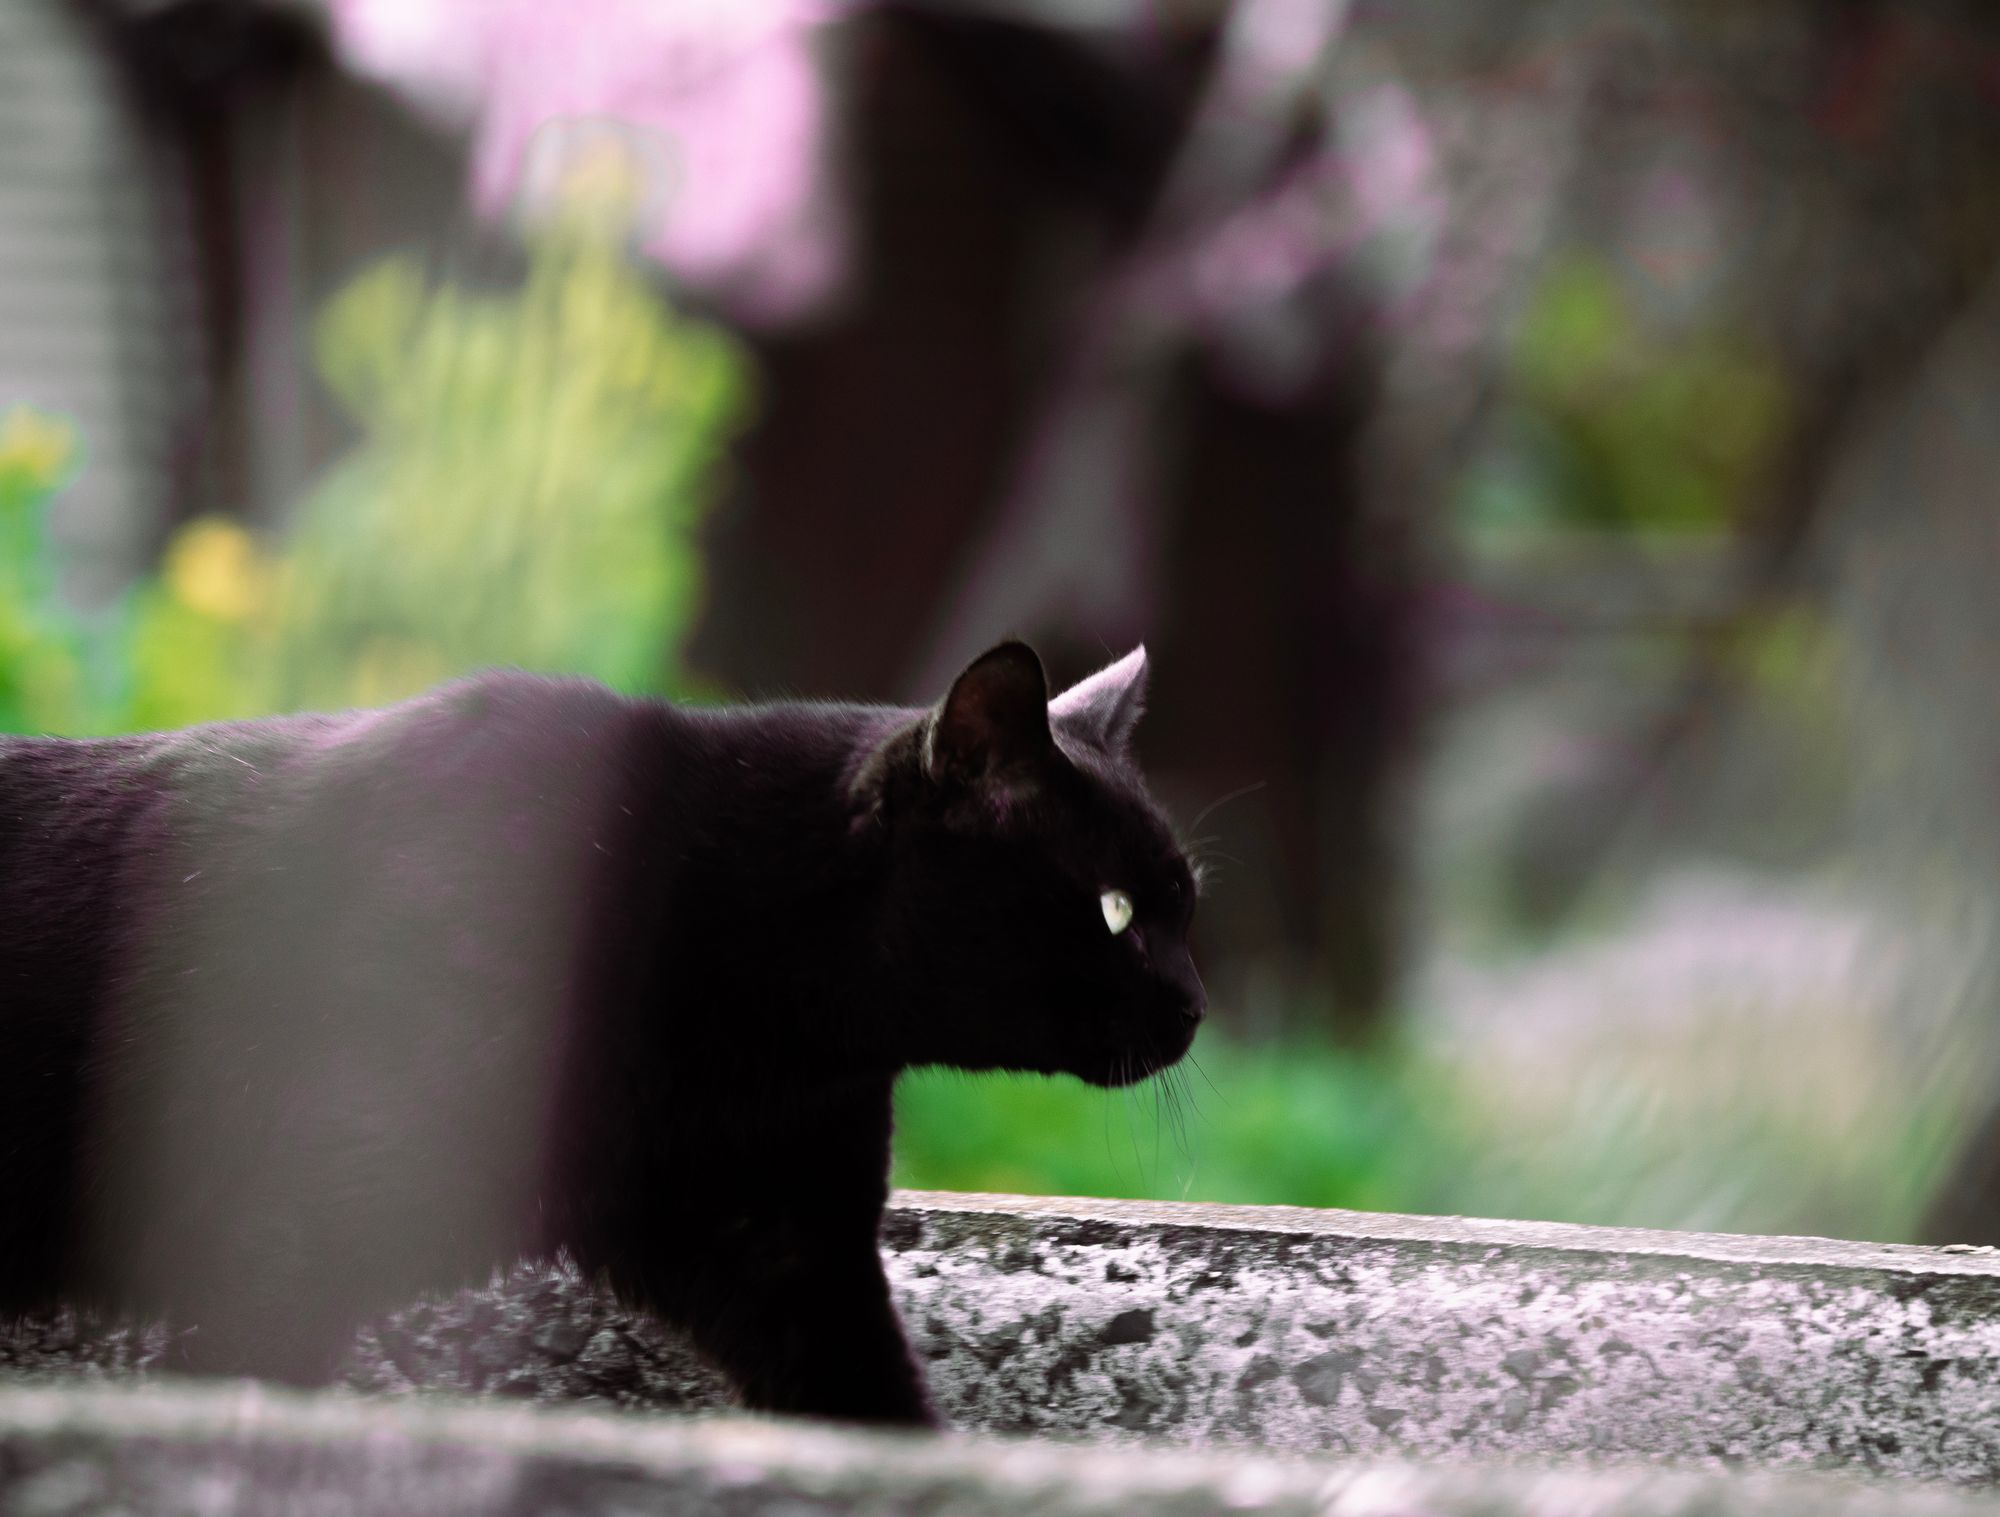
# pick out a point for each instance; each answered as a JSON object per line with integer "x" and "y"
{"x": 220, "y": 1449}
{"x": 1311, "y": 1333}
{"x": 1443, "y": 1338}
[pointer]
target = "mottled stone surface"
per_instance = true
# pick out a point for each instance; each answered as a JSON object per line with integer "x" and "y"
{"x": 1448, "y": 1339}
{"x": 540, "y": 1333}
{"x": 219, "y": 1450}
{"x": 1306, "y": 1332}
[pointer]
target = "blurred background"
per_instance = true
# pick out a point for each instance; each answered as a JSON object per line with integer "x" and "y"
{"x": 1551, "y": 452}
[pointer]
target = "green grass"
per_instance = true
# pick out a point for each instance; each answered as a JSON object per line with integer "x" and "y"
{"x": 1295, "y": 1126}
{"x": 1808, "y": 1134}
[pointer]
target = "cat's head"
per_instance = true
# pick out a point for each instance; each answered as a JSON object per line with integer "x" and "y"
{"x": 1037, "y": 904}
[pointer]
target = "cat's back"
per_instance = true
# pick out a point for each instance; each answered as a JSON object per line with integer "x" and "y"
{"x": 78, "y": 821}
{"x": 349, "y": 929}
{"x": 136, "y": 855}
{"x": 77, "y": 808}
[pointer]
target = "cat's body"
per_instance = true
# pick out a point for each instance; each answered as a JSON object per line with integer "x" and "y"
{"x": 301, "y": 1017}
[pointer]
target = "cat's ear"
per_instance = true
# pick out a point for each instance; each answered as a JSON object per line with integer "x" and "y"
{"x": 995, "y": 720}
{"x": 1105, "y": 708}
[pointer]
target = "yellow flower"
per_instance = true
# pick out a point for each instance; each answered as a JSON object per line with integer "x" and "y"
{"x": 214, "y": 567}
{"x": 35, "y": 446}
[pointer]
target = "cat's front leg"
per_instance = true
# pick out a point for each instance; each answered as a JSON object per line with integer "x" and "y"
{"x": 802, "y": 1322}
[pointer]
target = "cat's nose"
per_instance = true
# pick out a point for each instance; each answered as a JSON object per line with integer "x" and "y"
{"x": 1182, "y": 982}
{"x": 1195, "y": 1004}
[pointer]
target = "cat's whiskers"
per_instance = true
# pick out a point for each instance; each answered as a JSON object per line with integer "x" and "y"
{"x": 1109, "y": 1152}
{"x": 1237, "y": 794}
{"x": 1128, "y": 1083}
{"x": 1199, "y": 847}
{"x": 1204, "y": 850}
{"x": 1163, "y": 1097}
{"x": 1202, "y": 856}
{"x": 1183, "y": 1103}
{"x": 1205, "y": 1079}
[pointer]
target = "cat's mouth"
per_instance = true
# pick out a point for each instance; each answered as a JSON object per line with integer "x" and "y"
{"x": 1134, "y": 1062}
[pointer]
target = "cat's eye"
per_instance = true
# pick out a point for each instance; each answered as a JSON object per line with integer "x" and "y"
{"x": 1117, "y": 906}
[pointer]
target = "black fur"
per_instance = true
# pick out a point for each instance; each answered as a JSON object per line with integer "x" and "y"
{"x": 300, "y": 1017}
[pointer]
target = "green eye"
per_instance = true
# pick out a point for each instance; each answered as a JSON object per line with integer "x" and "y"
{"x": 1117, "y": 907}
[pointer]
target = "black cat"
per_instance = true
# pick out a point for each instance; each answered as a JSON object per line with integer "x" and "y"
{"x": 301, "y": 1017}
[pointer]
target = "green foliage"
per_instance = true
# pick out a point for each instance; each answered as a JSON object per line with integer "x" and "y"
{"x": 531, "y": 471}
{"x": 1305, "y": 1125}
{"x": 1612, "y": 424}
{"x": 529, "y": 489}
{"x": 41, "y": 670}
{"x": 1437, "y": 1127}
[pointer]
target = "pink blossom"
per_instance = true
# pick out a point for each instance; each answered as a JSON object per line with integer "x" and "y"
{"x": 723, "y": 103}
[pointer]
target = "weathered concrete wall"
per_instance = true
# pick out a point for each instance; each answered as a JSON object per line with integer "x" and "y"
{"x": 1317, "y": 1332}
{"x": 223, "y": 1450}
